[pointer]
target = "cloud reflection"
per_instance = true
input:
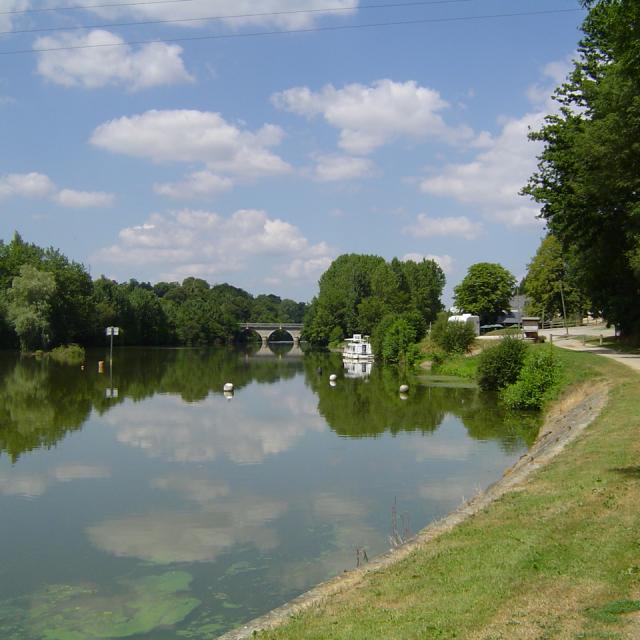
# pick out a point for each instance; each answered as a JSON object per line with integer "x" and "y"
{"x": 32, "y": 485}
{"x": 244, "y": 431}
{"x": 191, "y": 535}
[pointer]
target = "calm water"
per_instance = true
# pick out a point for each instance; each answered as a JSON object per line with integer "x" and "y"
{"x": 170, "y": 511}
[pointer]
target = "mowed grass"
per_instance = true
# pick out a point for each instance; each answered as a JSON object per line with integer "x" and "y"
{"x": 557, "y": 559}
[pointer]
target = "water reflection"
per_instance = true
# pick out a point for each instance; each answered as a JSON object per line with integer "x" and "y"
{"x": 40, "y": 402}
{"x": 257, "y": 498}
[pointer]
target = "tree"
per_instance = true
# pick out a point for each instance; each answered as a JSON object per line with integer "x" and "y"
{"x": 588, "y": 177}
{"x": 485, "y": 291}
{"x": 548, "y": 279}
{"x": 29, "y": 307}
{"x": 425, "y": 282}
{"x": 399, "y": 343}
{"x": 358, "y": 291}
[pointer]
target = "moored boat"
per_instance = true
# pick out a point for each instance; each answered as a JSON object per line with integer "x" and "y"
{"x": 358, "y": 348}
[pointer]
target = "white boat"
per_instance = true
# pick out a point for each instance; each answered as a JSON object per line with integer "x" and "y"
{"x": 358, "y": 348}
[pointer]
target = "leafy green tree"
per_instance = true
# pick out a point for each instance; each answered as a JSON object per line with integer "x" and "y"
{"x": 399, "y": 343}
{"x": 29, "y": 307}
{"x": 548, "y": 279}
{"x": 588, "y": 179}
{"x": 485, "y": 291}
{"x": 425, "y": 281}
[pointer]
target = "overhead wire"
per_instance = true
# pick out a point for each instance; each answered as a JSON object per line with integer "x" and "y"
{"x": 254, "y": 34}
{"x": 266, "y": 14}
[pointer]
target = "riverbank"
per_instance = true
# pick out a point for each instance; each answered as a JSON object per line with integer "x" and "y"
{"x": 555, "y": 557}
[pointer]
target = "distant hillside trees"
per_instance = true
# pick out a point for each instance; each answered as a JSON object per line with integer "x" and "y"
{"x": 47, "y": 300}
{"x": 359, "y": 293}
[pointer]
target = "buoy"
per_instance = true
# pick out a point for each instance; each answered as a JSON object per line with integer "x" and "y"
{"x": 228, "y": 387}
{"x": 333, "y": 377}
{"x": 404, "y": 388}
{"x": 404, "y": 396}
{"x": 101, "y": 366}
{"x": 333, "y": 383}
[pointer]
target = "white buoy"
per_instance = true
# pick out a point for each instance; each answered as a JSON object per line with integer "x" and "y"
{"x": 333, "y": 377}
{"x": 228, "y": 387}
{"x": 404, "y": 388}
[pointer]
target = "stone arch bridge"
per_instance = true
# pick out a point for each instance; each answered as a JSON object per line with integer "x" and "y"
{"x": 266, "y": 329}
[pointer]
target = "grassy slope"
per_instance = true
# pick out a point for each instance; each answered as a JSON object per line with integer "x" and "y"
{"x": 559, "y": 559}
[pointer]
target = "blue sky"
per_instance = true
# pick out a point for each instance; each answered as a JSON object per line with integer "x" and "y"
{"x": 257, "y": 160}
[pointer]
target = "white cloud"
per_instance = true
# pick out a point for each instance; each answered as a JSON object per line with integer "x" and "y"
{"x": 95, "y": 65}
{"x": 336, "y": 168}
{"x": 427, "y": 227}
{"x": 493, "y": 179}
{"x": 194, "y": 136}
{"x": 40, "y": 186}
{"x": 246, "y": 8}
{"x": 554, "y": 74}
{"x": 84, "y": 199}
{"x": 445, "y": 262}
{"x": 26, "y": 185}
{"x": 371, "y": 116}
{"x": 199, "y": 184}
{"x": 7, "y": 20}
{"x": 204, "y": 244}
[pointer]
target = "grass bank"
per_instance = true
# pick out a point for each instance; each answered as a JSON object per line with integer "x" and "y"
{"x": 559, "y": 558}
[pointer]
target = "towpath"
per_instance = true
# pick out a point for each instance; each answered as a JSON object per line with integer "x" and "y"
{"x": 574, "y": 342}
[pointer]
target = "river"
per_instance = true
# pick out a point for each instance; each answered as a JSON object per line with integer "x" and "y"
{"x": 142, "y": 503}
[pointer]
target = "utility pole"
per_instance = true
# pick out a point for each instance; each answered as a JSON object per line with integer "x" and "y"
{"x": 564, "y": 309}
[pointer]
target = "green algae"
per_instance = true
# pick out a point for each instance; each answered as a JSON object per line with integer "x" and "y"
{"x": 85, "y": 612}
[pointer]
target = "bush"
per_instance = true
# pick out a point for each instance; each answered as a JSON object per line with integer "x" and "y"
{"x": 398, "y": 344}
{"x": 500, "y": 365}
{"x": 452, "y": 337}
{"x": 68, "y": 354}
{"x": 538, "y": 377}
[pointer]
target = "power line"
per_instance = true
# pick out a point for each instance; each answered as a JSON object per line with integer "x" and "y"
{"x": 91, "y": 6}
{"x": 229, "y": 36}
{"x": 414, "y": 3}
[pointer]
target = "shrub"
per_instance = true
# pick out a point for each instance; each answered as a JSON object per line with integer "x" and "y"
{"x": 500, "y": 365}
{"x": 452, "y": 337}
{"x": 68, "y": 354}
{"x": 538, "y": 377}
{"x": 398, "y": 344}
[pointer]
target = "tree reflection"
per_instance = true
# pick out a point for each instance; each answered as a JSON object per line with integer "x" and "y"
{"x": 41, "y": 401}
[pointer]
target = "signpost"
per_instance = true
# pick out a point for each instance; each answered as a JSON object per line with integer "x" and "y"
{"x": 111, "y": 331}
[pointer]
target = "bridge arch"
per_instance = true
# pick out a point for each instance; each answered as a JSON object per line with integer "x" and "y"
{"x": 266, "y": 329}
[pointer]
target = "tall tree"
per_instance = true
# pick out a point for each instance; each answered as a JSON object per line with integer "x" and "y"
{"x": 588, "y": 177}
{"x": 550, "y": 278}
{"x": 485, "y": 291}
{"x": 29, "y": 307}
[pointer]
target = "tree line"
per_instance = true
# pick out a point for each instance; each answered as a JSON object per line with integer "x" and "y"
{"x": 47, "y": 300}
